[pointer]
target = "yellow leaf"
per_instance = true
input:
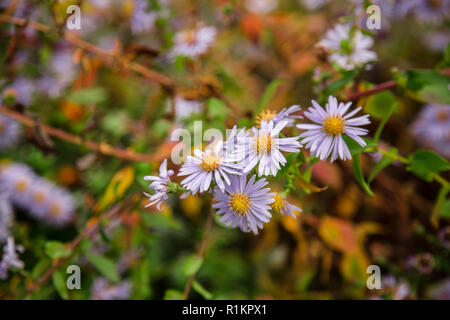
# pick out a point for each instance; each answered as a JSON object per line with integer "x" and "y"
{"x": 119, "y": 184}
{"x": 339, "y": 234}
{"x": 308, "y": 186}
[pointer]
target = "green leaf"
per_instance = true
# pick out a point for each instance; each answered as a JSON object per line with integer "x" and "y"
{"x": 267, "y": 96}
{"x": 173, "y": 295}
{"x": 201, "y": 290}
{"x": 104, "y": 265}
{"x": 336, "y": 85}
{"x": 56, "y": 250}
{"x": 217, "y": 109}
{"x": 445, "y": 213}
{"x": 357, "y": 170}
{"x": 59, "y": 282}
{"x": 381, "y": 106}
{"x": 191, "y": 265}
{"x": 355, "y": 148}
{"x": 428, "y": 86}
{"x": 383, "y": 163}
{"x": 89, "y": 95}
{"x": 160, "y": 221}
{"x": 425, "y": 164}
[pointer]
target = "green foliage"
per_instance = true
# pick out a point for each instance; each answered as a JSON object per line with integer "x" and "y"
{"x": 94, "y": 95}
{"x": 267, "y": 96}
{"x": 56, "y": 250}
{"x": 191, "y": 265}
{"x": 59, "y": 282}
{"x": 425, "y": 164}
{"x": 104, "y": 265}
{"x": 427, "y": 86}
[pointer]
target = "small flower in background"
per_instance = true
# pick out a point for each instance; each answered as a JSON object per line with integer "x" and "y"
{"x": 428, "y": 11}
{"x": 349, "y": 49}
{"x": 39, "y": 197}
{"x": 193, "y": 42}
{"x": 261, "y": 6}
{"x": 264, "y": 146}
{"x": 444, "y": 237}
{"x": 10, "y": 258}
{"x": 432, "y": 128}
{"x": 6, "y": 217}
{"x": 324, "y": 137}
{"x": 102, "y": 289}
{"x": 281, "y": 206}
{"x": 244, "y": 204}
{"x": 207, "y": 166}
{"x": 10, "y": 131}
{"x": 397, "y": 289}
{"x": 159, "y": 185}
{"x": 184, "y": 108}
{"x": 286, "y": 114}
{"x": 142, "y": 20}
{"x": 440, "y": 291}
{"x": 22, "y": 89}
{"x": 423, "y": 263}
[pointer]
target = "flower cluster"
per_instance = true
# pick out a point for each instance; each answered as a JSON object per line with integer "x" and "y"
{"x": 10, "y": 258}
{"x": 41, "y": 198}
{"x": 236, "y": 171}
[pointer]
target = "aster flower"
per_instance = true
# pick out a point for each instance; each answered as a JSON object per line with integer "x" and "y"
{"x": 348, "y": 49}
{"x": 431, "y": 11}
{"x": 432, "y": 128}
{"x": 286, "y": 114}
{"x": 102, "y": 289}
{"x": 324, "y": 137}
{"x": 313, "y": 4}
{"x": 244, "y": 204}
{"x": 213, "y": 164}
{"x": 9, "y": 132}
{"x": 15, "y": 181}
{"x": 282, "y": 206}
{"x": 185, "y": 108}
{"x": 60, "y": 207}
{"x": 142, "y": 20}
{"x": 22, "y": 89}
{"x": 10, "y": 258}
{"x": 194, "y": 42}
{"x": 264, "y": 146}
{"x": 261, "y": 6}
{"x": 159, "y": 184}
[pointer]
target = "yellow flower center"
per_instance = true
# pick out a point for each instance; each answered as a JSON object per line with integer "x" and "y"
{"x": 333, "y": 125}
{"x": 210, "y": 162}
{"x": 190, "y": 36}
{"x": 39, "y": 197}
{"x": 279, "y": 204}
{"x": 240, "y": 203}
{"x": 55, "y": 210}
{"x": 265, "y": 115}
{"x": 21, "y": 186}
{"x": 442, "y": 116}
{"x": 263, "y": 143}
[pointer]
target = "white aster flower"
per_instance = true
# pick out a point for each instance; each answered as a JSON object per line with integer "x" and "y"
{"x": 264, "y": 146}
{"x": 185, "y": 108}
{"x": 286, "y": 114}
{"x": 261, "y": 6}
{"x": 213, "y": 164}
{"x": 6, "y": 217}
{"x": 282, "y": 206}
{"x": 159, "y": 184}
{"x": 324, "y": 137}
{"x": 61, "y": 207}
{"x": 9, "y": 132}
{"x": 349, "y": 49}
{"x": 194, "y": 42}
{"x": 142, "y": 20}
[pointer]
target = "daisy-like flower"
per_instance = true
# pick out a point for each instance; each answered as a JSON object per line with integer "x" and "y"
{"x": 194, "y": 42}
{"x": 10, "y": 258}
{"x": 213, "y": 164}
{"x": 22, "y": 89}
{"x": 261, "y": 6}
{"x": 286, "y": 114}
{"x": 264, "y": 146}
{"x": 142, "y": 20}
{"x": 60, "y": 207}
{"x": 9, "y": 132}
{"x": 15, "y": 181}
{"x": 244, "y": 204}
{"x": 159, "y": 184}
{"x": 431, "y": 11}
{"x": 185, "y": 108}
{"x": 282, "y": 206}
{"x": 324, "y": 137}
{"x": 348, "y": 49}
{"x": 432, "y": 128}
